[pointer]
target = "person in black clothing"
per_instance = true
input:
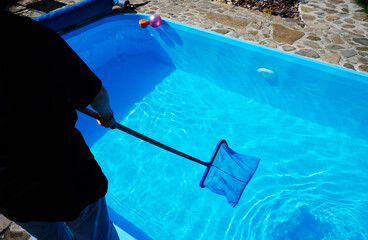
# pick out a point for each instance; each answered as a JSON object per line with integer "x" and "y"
{"x": 49, "y": 179}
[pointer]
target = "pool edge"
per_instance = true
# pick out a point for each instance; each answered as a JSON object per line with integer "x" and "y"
{"x": 238, "y": 42}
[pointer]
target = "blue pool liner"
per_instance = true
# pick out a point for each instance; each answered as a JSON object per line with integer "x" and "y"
{"x": 126, "y": 225}
{"x": 74, "y": 14}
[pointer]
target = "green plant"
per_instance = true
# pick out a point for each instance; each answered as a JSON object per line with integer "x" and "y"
{"x": 268, "y": 10}
{"x": 364, "y": 4}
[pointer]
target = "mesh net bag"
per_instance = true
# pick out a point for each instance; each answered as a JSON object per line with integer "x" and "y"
{"x": 228, "y": 172}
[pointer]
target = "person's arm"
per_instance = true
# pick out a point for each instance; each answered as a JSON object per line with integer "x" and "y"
{"x": 102, "y": 106}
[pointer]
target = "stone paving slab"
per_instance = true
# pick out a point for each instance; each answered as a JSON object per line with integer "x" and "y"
{"x": 333, "y": 31}
{"x": 11, "y": 231}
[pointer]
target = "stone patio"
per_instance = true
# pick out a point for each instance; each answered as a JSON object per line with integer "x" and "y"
{"x": 333, "y": 31}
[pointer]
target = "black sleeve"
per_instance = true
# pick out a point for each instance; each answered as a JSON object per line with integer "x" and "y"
{"x": 79, "y": 82}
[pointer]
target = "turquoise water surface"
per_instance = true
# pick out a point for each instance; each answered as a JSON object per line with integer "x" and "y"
{"x": 189, "y": 89}
{"x": 310, "y": 184}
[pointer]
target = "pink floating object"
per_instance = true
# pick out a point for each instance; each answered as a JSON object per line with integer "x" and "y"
{"x": 155, "y": 20}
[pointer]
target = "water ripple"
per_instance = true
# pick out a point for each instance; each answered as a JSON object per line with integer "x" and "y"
{"x": 311, "y": 183}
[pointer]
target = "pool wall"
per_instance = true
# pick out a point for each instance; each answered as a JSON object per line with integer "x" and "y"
{"x": 300, "y": 86}
{"x": 327, "y": 94}
{"x": 119, "y": 46}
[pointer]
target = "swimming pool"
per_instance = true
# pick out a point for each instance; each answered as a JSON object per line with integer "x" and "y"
{"x": 189, "y": 88}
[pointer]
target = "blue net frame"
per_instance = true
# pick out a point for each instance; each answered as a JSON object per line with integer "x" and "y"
{"x": 228, "y": 172}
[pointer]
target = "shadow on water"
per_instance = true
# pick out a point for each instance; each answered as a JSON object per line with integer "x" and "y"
{"x": 126, "y": 85}
{"x": 129, "y": 62}
{"x": 302, "y": 226}
{"x": 169, "y": 35}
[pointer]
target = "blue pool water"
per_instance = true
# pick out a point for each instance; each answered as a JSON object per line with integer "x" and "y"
{"x": 189, "y": 88}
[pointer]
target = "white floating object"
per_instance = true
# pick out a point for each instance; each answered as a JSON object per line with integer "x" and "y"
{"x": 269, "y": 76}
{"x": 266, "y": 73}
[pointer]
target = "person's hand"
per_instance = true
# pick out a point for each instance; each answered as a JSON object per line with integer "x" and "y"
{"x": 107, "y": 121}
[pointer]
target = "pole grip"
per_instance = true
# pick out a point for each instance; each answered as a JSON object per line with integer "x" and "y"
{"x": 90, "y": 113}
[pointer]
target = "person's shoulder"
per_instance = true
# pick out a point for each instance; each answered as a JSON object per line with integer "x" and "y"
{"x": 28, "y": 33}
{"x": 24, "y": 25}
{"x": 10, "y": 19}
